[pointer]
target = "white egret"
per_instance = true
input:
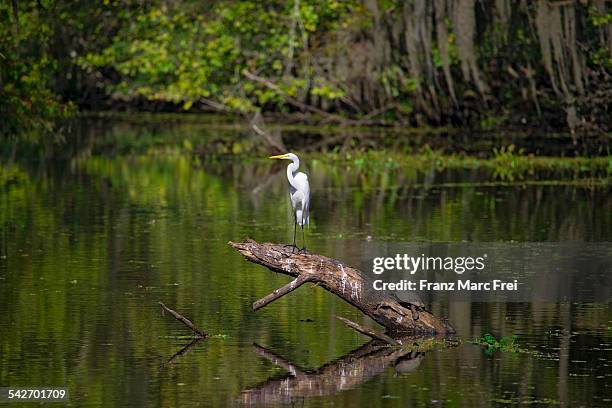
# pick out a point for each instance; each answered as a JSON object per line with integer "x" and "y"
{"x": 299, "y": 194}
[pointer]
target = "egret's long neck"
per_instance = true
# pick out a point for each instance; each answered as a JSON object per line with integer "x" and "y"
{"x": 292, "y": 168}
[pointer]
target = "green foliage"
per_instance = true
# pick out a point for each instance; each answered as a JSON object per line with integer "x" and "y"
{"x": 346, "y": 57}
{"x": 327, "y": 91}
{"x": 182, "y": 54}
{"x": 492, "y": 122}
{"x": 506, "y": 166}
{"x": 27, "y": 103}
{"x": 505, "y": 343}
{"x": 599, "y": 17}
{"x": 509, "y": 164}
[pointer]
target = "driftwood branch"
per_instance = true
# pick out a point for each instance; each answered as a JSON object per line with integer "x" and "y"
{"x": 346, "y": 282}
{"x": 185, "y": 321}
{"x": 280, "y": 292}
{"x": 370, "y": 333}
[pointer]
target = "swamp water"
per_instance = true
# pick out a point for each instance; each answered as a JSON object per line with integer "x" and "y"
{"x": 90, "y": 244}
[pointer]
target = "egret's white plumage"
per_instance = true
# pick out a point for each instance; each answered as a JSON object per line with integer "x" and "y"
{"x": 299, "y": 190}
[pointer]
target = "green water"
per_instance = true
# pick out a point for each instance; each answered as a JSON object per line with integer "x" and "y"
{"x": 90, "y": 244}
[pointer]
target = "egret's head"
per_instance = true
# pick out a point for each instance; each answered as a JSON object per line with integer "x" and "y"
{"x": 286, "y": 156}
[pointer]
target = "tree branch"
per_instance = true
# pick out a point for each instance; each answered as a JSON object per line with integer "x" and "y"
{"x": 368, "y": 332}
{"x": 184, "y": 320}
{"x": 280, "y": 292}
{"x": 291, "y": 100}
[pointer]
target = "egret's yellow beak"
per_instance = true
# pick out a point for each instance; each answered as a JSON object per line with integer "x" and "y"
{"x": 280, "y": 156}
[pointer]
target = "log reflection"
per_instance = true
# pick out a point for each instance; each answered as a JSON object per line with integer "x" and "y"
{"x": 345, "y": 373}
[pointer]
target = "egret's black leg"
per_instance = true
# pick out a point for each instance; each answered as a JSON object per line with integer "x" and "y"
{"x": 303, "y": 241}
{"x": 294, "y": 231}
{"x": 293, "y": 246}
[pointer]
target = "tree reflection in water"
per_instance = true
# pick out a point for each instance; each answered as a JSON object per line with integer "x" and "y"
{"x": 345, "y": 373}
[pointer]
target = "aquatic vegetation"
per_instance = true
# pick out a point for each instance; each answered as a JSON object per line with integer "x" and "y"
{"x": 506, "y": 165}
{"x": 525, "y": 401}
{"x": 504, "y": 343}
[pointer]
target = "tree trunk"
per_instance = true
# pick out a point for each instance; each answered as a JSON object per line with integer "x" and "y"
{"x": 348, "y": 283}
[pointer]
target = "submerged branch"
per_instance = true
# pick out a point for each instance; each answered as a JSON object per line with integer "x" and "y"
{"x": 184, "y": 320}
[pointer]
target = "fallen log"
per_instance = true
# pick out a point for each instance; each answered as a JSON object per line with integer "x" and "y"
{"x": 348, "y": 283}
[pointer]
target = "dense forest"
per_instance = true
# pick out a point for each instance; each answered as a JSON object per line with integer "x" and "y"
{"x": 483, "y": 64}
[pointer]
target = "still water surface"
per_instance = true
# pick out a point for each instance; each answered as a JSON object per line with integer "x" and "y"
{"x": 88, "y": 247}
